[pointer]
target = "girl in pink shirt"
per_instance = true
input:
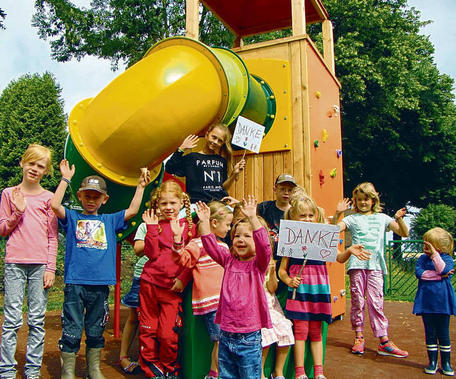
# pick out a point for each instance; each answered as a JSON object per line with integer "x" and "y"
{"x": 243, "y": 308}
{"x": 207, "y": 275}
{"x": 27, "y": 219}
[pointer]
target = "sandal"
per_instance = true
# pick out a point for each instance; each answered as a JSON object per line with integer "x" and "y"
{"x": 132, "y": 368}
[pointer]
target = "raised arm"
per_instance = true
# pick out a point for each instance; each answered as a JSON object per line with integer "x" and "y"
{"x": 234, "y": 176}
{"x": 151, "y": 248}
{"x": 174, "y": 164}
{"x": 56, "y": 202}
{"x": 399, "y": 226}
{"x": 208, "y": 239}
{"x": 260, "y": 235}
{"x": 342, "y": 206}
{"x": 135, "y": 203}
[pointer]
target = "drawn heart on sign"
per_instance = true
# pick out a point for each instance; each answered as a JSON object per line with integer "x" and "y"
{"x": 304, "y": 248}
{"x": 325, "y": 253}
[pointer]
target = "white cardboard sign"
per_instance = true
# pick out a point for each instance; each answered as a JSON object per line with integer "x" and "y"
{"x": 248, "y": 134}
{"x": 298, "y": 239}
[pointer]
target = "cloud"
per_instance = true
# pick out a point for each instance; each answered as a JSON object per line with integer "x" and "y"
{"x": 24, "y": 53}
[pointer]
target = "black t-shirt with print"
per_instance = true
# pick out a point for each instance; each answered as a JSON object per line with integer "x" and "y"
{"x": 204, "y": 173}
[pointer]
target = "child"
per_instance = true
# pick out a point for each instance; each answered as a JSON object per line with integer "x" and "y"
{"x": 208, "y": 172}
{"x": 131, "y": 300}
{"x": 90, "y": 265}
{"x": 367, "y": 227}
{"x": 31, "y": 226}
{"x": 162, "y": 281}
{"x": 282, "y": 328}
{"x": 207, "y": 275}
{"x": 435, "y": 300}
{"x": 242, "y": 310}
{"x": 308, "y": 309}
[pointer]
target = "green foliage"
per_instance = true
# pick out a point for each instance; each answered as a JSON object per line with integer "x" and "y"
{"x": 434, "y": 215}
{"x": 2, "y": 17}
{"x": 118, "y": 30}
{"x": 31, "y": 111}
{"x": 398, "y": 115}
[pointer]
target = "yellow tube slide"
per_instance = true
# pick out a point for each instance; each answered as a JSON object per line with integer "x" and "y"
{"x": 180, "y": 87}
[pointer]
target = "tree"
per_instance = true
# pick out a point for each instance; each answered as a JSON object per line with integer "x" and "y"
{"x": 434, "y": 215}
{"x": 31, "y": 111}
{"x": 118, "y": 30}
{"x": 398, "y": 115}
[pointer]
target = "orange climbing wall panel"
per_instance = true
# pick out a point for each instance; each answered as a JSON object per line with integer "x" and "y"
{"x": 306, "y": 114}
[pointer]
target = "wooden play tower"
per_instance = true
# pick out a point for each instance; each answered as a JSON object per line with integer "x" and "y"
{"x": 305, "y": 138}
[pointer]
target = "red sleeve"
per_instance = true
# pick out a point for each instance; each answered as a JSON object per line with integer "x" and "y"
{"x": 151, "y": 249}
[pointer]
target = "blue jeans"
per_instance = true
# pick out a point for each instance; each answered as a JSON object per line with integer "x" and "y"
{"x": 212, "y": 328}
{"x": 94, "y": 299}
{"x": 240, "y": 355}
{"x": 17, "y": 277}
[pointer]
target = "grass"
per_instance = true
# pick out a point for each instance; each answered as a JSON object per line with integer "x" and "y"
{"x": 55, "y": 294}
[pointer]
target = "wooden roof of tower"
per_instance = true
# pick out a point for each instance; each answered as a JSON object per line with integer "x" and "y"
{"x": 247, "y": 17}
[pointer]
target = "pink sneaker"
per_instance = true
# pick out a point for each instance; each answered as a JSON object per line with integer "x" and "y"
{"x": 358, "y": 347}
{"x": 390, "y": 349}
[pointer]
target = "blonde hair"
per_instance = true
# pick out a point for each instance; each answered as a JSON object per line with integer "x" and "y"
{"x": 299, "y": 204}
{"x": 367, "y": 189}
{"x": 36, "y": 152}
{"x": 226, "y": 151}
{"x": 440, "y": 239}
{"x": 170, "y": 186}
{"x": 297, "y": 192}
{"x": 218, "y": 210}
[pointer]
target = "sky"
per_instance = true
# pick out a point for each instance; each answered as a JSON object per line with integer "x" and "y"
{"x": 23, "y": 52}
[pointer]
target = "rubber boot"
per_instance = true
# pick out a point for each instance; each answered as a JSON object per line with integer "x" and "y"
{"x": 432, "y": 353}
{"x": 68, "y": 362}
{"x": 445, "y": 355}
{"x": 93, "y": 363}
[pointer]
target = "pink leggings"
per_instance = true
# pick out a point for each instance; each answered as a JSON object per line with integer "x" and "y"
{"x": 305, "y": 328}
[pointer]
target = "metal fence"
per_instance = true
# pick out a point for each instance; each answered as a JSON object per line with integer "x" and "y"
{"x": 401, "y": 282}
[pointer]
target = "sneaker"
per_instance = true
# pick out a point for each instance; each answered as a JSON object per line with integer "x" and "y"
{"x": 358, "y": 347}
{"x": 391, "y": 350}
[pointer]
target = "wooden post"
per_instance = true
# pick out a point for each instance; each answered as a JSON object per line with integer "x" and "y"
{"x": 116, "y": 321}
{"x": 328, "y": 44}
{"x": 238, "y": 42}
{"x": 298, "y": 17}
{"x": 192, "y": 19}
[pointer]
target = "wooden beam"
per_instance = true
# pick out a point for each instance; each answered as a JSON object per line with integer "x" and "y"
{"x": 298, "y": 17}
{"x": 192, "y": 19}
{"x": 328, "y": 45}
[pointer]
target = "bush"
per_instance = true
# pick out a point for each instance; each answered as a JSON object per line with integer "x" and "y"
{"x": 432, "y": 216}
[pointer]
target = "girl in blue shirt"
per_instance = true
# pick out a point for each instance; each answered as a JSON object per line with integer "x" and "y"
{"x": 435, "y": 299}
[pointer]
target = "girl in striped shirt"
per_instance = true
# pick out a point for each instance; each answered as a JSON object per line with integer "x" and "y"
{"x": 207, "y": 275}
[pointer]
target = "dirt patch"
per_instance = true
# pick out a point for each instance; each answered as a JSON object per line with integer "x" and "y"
{"x": 406, "y": 330}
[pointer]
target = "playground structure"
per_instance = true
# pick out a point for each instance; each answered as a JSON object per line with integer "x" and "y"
{"x": 181, "y": 87}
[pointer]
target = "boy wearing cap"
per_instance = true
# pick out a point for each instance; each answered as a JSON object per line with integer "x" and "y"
{"x": 274, "y": 210}
{"x": 90, "y": 257}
